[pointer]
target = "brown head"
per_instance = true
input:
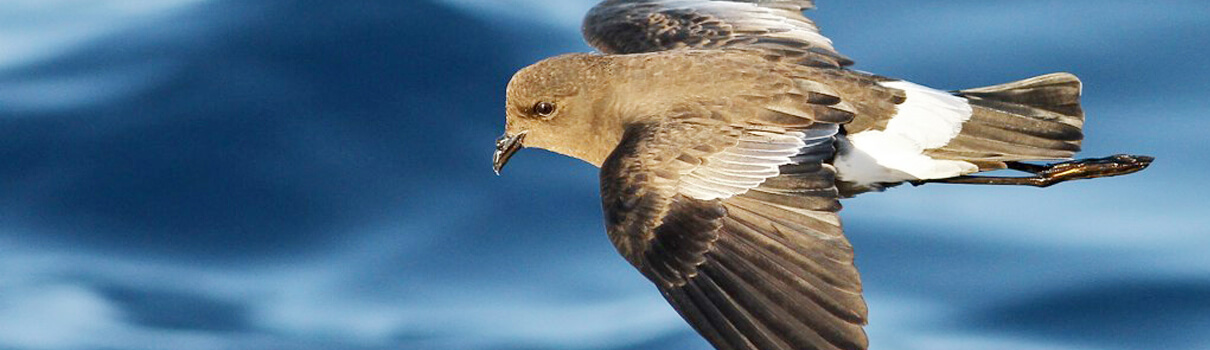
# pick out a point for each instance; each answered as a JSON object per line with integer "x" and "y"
{"x": 557, "y": 105}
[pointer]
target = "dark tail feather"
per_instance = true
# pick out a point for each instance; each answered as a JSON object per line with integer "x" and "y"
{"x": 1038, "y": 118}
{"x": 1056, "y": 92}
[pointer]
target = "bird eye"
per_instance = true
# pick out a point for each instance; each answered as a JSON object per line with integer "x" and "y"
{"x": 544, "y": 108}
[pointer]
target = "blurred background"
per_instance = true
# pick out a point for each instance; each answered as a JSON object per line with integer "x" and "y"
{"x": 222, "y": 174}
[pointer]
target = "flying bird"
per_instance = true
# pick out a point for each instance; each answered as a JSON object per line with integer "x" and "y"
{"x": 728, "y": 131}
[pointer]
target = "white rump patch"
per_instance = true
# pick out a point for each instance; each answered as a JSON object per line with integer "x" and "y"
{"x": 756, "y": 157}
{"x": 928, "y": 119}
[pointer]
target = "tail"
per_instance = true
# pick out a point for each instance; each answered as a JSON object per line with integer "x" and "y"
{"x": 1034, "y": 119}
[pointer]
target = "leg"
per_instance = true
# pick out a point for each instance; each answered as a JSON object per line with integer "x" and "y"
{"x": 1046, "y": 175}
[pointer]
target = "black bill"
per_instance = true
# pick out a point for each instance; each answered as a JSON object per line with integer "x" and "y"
{"x": 506, "y": 146}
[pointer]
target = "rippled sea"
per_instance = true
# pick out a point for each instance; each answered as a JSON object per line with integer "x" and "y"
{"x": 222, "y": 174}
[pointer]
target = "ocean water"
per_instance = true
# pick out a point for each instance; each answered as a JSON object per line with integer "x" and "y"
{"x": 220, "y": 174}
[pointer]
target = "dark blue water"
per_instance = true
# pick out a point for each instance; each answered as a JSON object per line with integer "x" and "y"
{"x": 221, "y": 174}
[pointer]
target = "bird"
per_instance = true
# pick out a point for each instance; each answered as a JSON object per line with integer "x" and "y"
{"x": 728, "y": 131}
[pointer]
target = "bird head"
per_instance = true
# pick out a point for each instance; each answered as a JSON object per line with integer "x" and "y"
{"x": 552, "y": 105}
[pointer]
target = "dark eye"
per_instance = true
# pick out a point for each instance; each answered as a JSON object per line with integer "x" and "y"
{"x": 544, "y": 108}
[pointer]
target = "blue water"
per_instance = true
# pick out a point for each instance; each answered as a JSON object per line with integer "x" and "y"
{"x": 222, "y": 174}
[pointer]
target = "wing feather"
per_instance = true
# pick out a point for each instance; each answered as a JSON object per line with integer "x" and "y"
{"x": 777, "y": 28}
{"x": 767, "y": 267}
{"x": 754, "y": 158}
{"x": 773, "y": 297}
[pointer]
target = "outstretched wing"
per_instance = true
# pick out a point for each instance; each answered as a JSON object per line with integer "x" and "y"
{"x": 738, "y": 229}
{"x": 777, "y": 28}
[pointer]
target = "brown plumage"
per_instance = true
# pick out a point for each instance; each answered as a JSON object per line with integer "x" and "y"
{"x": 727, "y": 132}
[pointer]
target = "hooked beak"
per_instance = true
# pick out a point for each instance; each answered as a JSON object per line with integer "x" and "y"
{"x": 506, "y": 146}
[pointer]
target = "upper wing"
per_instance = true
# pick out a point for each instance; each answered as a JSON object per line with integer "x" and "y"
{"x": 775, "y": 27}
{"x": 738, "y": 229}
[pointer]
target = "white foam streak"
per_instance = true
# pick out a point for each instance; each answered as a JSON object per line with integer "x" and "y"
{"x": 35, "y": 30}
{"x": 565, "y": 13}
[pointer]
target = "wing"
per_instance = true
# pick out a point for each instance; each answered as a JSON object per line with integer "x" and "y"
{"x": 774, "y": 27}
{"x": 738, "y": 229}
